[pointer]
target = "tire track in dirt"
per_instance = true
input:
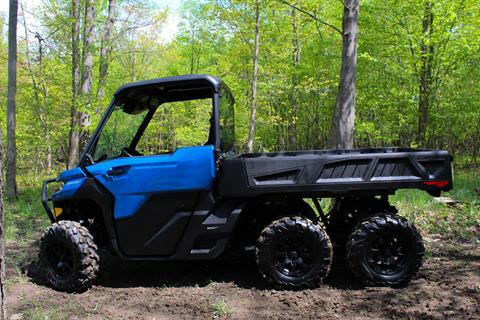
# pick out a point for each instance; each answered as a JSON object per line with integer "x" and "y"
{"x": 448, "y": 287}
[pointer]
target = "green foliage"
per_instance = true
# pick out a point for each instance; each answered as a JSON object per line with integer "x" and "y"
{"x": 25, "y": 218}
{"x": 178, "y": 124}
{"x": 222, "y": 309}
{"x": 461, "y": 221}
{"x": 41, "y": 311}
{"x": 295, "y": 97}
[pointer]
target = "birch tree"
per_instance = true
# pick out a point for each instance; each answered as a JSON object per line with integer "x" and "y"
{"x": 88, "y": 38}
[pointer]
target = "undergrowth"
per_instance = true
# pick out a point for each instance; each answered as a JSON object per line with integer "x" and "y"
{"x": 26, "y": 218}
{"x": 460, "y": 221}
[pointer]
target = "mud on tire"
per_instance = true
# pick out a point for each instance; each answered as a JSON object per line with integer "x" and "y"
{"x": 385, "y": 250}
{"x": 293, "y": 253}
{"x": 69, "y": 256}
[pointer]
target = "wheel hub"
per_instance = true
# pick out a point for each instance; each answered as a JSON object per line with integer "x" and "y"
{"x": 388, "y": 254}
{"x": 61, "y": 260}
{"x": 294, "y": 256}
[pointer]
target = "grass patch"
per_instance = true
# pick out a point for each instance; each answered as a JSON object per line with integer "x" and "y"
{"x": 12, "y": 281}
{"x": 222, "y": 309}
{"x": 461, "y": 222}
{"x": 25, "y": 217}
{"x": 70, "y": 310}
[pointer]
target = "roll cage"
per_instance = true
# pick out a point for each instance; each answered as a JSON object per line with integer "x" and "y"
{"x": 150, "y": 94}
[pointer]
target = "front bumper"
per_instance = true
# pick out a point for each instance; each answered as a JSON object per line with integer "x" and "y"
{"x": 46, "y": 199}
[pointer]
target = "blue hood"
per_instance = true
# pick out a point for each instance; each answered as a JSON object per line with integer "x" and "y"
{"x": 73, "y": 179}
{"x": 72, "y": 174}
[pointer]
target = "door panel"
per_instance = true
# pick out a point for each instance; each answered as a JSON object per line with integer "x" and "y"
{"x": 158, "y": 225}
{"x": 143, "y": 189}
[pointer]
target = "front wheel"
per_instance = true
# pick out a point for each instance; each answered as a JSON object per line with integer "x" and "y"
{"x": 69, "y": 256}
{"x": 385, "y": 250}
{"x": 293, "y": 253}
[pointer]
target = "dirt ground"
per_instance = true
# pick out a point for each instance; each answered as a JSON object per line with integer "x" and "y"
{"x": 448, "y": 287}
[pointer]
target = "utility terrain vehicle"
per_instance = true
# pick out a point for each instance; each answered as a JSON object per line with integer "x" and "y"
{"x": 149, "y": 196}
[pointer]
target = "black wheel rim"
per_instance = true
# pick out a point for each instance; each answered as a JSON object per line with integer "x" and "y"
{"x": 293, "y": 255}
{"x": 60, "y": 258}
{"x": 388, "y": 254}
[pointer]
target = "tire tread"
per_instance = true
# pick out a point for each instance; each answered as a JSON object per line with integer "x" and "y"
{"x": 368, "y": 227}
{"x": 89, "y": 261}
{"x": 298, "y": 224}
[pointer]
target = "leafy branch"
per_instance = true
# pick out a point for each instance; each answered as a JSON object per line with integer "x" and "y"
{"x": 311, "y": 15}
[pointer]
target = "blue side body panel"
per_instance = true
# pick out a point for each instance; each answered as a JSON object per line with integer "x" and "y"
{"x": 137, "y": 178}
{"x": 73, "y": 179}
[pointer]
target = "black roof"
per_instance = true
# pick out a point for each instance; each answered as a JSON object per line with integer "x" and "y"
{"x": 138, "y": 96}
{"x": 212, "y": 81}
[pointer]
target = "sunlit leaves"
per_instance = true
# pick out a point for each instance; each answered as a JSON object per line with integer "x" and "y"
{"x": 294, "y": 100}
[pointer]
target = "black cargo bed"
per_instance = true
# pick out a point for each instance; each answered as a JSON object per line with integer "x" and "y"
{"x": 325, "y": 173}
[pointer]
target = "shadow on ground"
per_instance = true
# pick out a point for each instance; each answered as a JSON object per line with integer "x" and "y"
{"x": 116, "y": 273}
{"x": 447, "y": 288}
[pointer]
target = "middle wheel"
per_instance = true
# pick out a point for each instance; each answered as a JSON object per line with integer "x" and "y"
{"x": 293, "y": 253}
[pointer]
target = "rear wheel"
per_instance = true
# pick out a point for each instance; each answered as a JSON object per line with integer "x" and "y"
{"x": 69, "y": 256}
{"x": 385, "y": 250}
{"x": 345, "y": 215}
{"x": 293, "y": 253}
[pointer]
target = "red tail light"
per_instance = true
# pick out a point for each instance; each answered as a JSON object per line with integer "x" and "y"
{"x": 439, "y": 183}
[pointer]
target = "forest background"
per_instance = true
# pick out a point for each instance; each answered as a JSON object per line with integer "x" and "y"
{"x": 417, "y": 79}
{"x": 417, "y": 85}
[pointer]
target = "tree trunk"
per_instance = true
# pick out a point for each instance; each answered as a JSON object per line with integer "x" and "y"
{"x": 87, "y": 67}
{"x": 253, "y": 114}
{"x": 426, "y": 81}
{"x": 343, "y": 120}
{"x": 29, "y": 61}
{"x": 292, "y": 126}
{"x": 74, "y": 134}
{"x": 105, "y": 49}
{"x": 43, "y": 112}
{"x": 3, "y": 314}
{"x": 88, "y": 38}
{"x": 11, "y": 186}
{"x": 41, "y": 107}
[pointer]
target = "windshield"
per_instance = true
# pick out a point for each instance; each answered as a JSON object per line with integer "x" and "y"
{"x": 117, "y": 133}
{"x": 155, "y": 131}
{"x": 135, "y": 128}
